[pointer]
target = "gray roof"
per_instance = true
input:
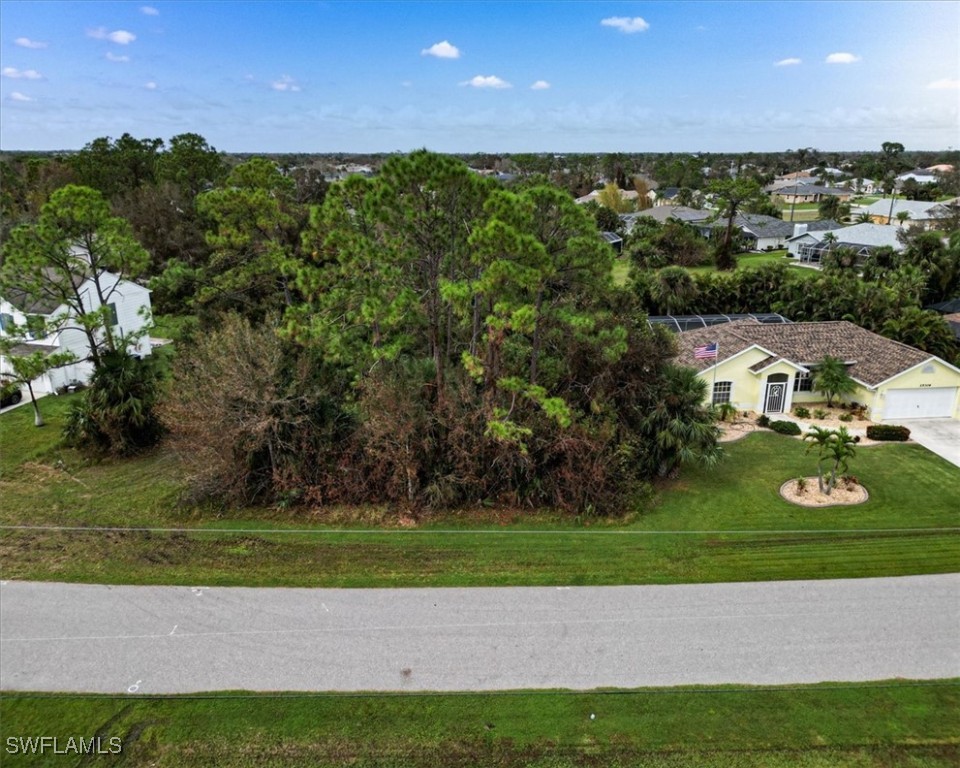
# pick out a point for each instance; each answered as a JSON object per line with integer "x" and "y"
{"x": 663, "y": 212}
{"x": 760, "y": 225}
{"x": 812, "y": 189}
{"x": 869, "y": 235}
{"x": 918, "y": 209}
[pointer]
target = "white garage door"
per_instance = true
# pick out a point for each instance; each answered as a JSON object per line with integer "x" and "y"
{"x": 920, "y": 403}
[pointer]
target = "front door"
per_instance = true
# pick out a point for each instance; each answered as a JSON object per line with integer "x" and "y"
{"x": 775, "y": 395}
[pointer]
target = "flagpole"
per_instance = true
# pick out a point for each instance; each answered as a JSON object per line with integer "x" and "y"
{"x": 716, "y": 362}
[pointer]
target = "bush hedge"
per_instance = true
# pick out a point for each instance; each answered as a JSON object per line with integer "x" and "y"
{"x": 890, "y": 432}
{"x": 785, "y": 427}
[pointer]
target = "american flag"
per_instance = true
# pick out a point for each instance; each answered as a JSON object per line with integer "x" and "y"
{"x": 706, "y": 352}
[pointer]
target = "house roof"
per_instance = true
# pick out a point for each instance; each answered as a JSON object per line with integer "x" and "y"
{"x": 864, "y": 235}
{"x": 30, "y": 304}
{"x": 918, "y": 209}
{"x": 663, "y": 212}
{"x": 812, "y": 189}
{"x": 873, "y": 359}
{"x": 768, "y": 226}
{"x": 949, "y": 307}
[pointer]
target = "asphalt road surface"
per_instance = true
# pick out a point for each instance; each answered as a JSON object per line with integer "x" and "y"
{"x": 66, "y": 637}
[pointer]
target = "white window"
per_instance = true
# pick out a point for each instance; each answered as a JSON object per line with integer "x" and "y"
{"x": 722, "y": 391}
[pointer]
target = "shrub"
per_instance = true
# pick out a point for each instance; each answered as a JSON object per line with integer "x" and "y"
{"x": 801, "y": 413}
{"x": 801, "y": 486}
{"x": 846, "y": 417}
{"x": 819, "y": 413}
{"x": 117, "y": 414}
{"x": 850, "y": 481}
{"x": 888, "y": 432}
{"x": 763, "y": 421}
{"x": 785, "y": 427}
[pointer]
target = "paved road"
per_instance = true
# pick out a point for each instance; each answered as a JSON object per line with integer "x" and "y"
{"x": 176, "y": 639}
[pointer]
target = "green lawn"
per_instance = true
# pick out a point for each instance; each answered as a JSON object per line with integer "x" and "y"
{"x": 898, "y": 723}
{"x": 690, "y": 531}
{"x": 750, "y": 260}
{"x": 621, "y": 271}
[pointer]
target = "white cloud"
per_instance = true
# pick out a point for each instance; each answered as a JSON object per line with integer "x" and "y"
{"x": 442, "y": 50}
{"x": 115, "y": 57}
{"x": 626, "y": 25}
{"x": 487, "y": 81}
{"x": 26, "y": 42}
{"x": 17, "y": 96}
{"x": 151, "y": 86}
{"x": 285, "y": 83}
{"x": 944, "y": 84}
{"x": 540, "y": 85}
{"x": 21, "y": 74}
{"x": 149, "y": 10}
{"x": 119, "y": 36}
{"x": 788, "y": 63}
{"x": 842, "y": 58}
{"x": 407, "y": 83}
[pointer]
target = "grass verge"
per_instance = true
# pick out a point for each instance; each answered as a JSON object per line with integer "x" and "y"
{"x": 872, "y": 724}
{"x": 728, "y": 524}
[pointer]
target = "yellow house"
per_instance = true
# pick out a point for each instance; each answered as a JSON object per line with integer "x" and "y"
{"x": 768, "y": 368}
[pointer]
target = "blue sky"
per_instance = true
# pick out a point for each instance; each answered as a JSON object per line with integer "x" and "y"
{"x": 483, "y": 76}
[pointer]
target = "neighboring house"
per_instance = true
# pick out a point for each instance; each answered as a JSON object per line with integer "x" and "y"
{"x": 808, "y": 247}
{"x": 922, "y": 214}
{"x": 129, "y": 308}
{"x": 951, "y": 313}
{"x": 919, "y": 175}
{"x": 768, "y": 233}
{"x": 666, "y": 196}
{"x": 862, "y": 186}
{"x": 661, "y": 214}
{"x": 769, "y": 368}
{"x": 811, "y": 193}
{"x": 625, "y": 194}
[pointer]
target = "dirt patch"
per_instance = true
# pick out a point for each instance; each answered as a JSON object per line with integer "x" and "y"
{"x": 845, "y": 494}
{"x": 737, "y": 430}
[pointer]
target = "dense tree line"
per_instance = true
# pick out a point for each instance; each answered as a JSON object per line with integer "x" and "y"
{"x": 428, "y": 336}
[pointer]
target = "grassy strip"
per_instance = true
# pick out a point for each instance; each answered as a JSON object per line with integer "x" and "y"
{"x": 909, "y": 487}
{"x": 896, "y": 723}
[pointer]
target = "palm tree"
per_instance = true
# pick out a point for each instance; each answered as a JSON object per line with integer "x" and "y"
{"x": 674, "y": 289}
{"x": 819, "y": 437}
{"x": 902, "y": 217}
{"x": 840, "y": 447}
{"x": 681, "y": 429}
{"x": 830, "y": 377}
{"x": 836, "y": 446}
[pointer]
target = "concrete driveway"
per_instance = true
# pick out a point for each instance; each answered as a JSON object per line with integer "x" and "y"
{"x": 942, "y": 436}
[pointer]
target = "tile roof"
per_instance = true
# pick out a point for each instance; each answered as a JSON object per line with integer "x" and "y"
{"x": 873, "y": 359}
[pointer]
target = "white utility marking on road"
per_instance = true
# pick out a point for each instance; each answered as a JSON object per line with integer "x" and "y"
{"x": 324, "y": 605}
{"x": 135, "y": 687}
{"x": 174, "y": 628}
{"x": 198, "y": 590}
{"x": 559, "y": 588}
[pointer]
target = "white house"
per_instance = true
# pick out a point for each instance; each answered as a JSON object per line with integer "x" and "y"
{"x": 808, "y": 247}
{"x": 920, "y": 213}
{"x": 129, "y": 306}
